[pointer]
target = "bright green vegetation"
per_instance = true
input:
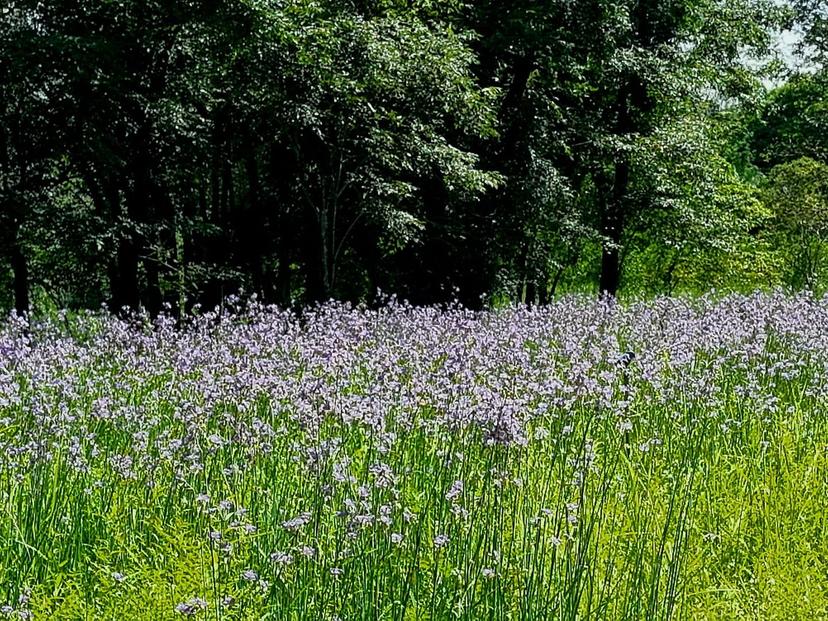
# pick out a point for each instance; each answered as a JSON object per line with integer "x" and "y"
{"x": 691, "y": 485}
{"x": 697, "y": 530}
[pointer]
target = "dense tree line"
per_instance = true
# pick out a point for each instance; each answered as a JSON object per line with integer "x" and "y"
{"x": 172, "y": 152}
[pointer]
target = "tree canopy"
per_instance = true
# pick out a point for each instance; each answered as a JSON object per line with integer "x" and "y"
{"x": 168, "y": 154}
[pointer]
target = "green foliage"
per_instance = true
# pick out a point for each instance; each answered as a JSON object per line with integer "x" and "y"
{"x": 173, "y": 153}
{"x": 797, "y": 194}
{"x": 793, "y": 123}
{"x": 740, "y": 256}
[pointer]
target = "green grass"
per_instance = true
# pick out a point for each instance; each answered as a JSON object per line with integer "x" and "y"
{"x": 694, "y": 529}
{"x": 693, "y": 513}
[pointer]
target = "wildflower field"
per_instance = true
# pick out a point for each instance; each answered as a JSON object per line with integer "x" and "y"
{"x": 585, "y": 460}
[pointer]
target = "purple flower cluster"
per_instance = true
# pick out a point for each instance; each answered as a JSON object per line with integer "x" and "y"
{"x": 303, "y": 418}
{"x": 234, "y": 384}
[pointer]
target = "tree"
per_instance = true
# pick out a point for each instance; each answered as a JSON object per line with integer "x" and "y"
{"x": 793, "y": 123}
{"x": 29, "y": 155}
{"x": 812, "y": 18}
{"x": 797, "y": 194}
{"x": 582, "y": 114}
{"x": 658, "y": 62}
{"x": 366, "y": 120}
{"x": 171, "y": 153}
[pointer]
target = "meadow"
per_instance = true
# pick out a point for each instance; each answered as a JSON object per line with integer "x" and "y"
{"x": 583, "y": 460}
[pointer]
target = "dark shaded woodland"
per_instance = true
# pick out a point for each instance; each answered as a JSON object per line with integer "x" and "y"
{"x": 170, "y": 153}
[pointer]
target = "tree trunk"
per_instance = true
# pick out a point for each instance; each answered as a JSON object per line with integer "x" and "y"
{"x": 531, "y": 292}
{"x": 283, "y": 276}
{"x": 135, "y": 246}
{"x": 319, "y": 289}
{"x": 543, "y": 292}
{"x": 281, "y": 170}
{"x": 122, "y": 266}
{"x": 255, "y": 250}
{"x": 125, "y": 288}
{"x": 20, "y": 269}
{"x": 510, "y": 109}
{"x": 211, "y": 247}
{"x": 633, "y": 93}
{"x": 153, "y": 299}
{"x": 612, "y": 227}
